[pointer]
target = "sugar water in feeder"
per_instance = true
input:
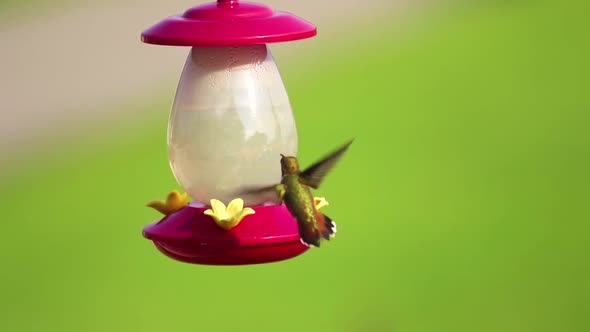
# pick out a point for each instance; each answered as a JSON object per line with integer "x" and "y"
{"x": 230, "y": 122}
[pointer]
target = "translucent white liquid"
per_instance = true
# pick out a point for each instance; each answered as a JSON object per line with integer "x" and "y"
{"x": 230, "y": 122}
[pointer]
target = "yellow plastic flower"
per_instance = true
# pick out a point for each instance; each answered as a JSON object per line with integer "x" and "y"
{"x": 173, "y": 203}
{"x": 320, "y": 202}
{"x": 230, "y": 216}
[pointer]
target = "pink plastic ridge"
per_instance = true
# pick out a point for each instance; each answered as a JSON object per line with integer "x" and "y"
{"x": 269, "y": 235}
{"x": 228, "y": 23}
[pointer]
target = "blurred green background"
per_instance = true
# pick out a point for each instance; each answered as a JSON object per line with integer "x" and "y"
{"x": 463, "y": 204}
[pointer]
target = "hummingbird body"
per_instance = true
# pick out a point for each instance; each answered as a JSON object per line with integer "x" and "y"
{"x": 299, "y": 200}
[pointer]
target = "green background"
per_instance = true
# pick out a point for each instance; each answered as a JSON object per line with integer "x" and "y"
{"x": 463, "y": 204}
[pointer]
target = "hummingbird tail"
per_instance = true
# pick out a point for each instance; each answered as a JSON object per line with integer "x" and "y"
{"x": 329, "y": 228}
{"x": 309, "y": 234}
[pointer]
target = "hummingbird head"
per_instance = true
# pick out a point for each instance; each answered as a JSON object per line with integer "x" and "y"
{"x": 289, "y": 165}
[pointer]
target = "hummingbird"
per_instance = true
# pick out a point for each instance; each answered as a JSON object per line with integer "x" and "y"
{"x": 295, "y": 190}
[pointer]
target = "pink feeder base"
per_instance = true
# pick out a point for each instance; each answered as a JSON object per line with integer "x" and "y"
{"x": 190, "y": 236}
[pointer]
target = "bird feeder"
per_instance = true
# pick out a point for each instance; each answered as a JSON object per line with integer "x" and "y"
{"x": 230, "y": 122}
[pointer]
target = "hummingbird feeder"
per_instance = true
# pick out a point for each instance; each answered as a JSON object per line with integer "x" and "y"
{"x": 230, "y": 122}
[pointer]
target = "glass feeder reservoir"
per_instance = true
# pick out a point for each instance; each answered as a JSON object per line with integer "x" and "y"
{"x": 230, "y": 122}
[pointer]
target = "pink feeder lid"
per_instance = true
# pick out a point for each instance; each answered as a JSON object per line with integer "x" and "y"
{"x": 228, "y": 23}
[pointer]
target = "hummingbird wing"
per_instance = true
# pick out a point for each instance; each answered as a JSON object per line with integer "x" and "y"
{"x": 314, "y": 174}
{"x": 276, "y": 190}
